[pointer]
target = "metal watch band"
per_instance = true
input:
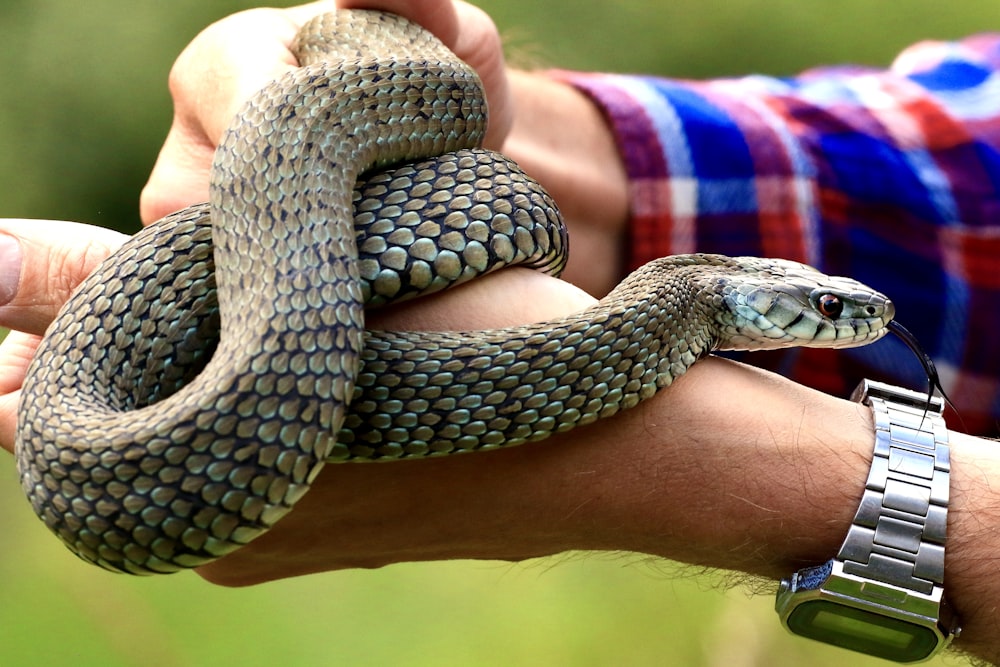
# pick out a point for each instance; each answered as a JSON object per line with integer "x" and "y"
{"x": 898, "y": 533}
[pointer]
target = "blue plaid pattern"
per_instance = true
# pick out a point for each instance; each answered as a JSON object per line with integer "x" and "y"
{"x": 890, "y": 176}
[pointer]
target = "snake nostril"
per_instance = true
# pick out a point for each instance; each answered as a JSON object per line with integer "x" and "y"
{"x": 871, "y": 310}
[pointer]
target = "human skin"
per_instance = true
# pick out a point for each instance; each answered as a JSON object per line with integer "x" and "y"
{"x": 731, "y": 467}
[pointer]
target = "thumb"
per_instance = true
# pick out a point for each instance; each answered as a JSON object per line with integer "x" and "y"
{"x": 41, "y": 262}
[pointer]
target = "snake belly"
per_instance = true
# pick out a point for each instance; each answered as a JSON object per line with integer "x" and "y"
{"x": 192, "y": 388}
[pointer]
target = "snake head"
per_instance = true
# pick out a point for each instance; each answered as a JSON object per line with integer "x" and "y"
{"x": 777, "y": 303}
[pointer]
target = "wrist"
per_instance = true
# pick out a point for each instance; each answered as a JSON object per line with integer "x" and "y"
{"x": 725, "y": 482}
{"x": 971, "y": 586}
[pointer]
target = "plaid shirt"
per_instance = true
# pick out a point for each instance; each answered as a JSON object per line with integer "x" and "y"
{"x": 891, "y": 177}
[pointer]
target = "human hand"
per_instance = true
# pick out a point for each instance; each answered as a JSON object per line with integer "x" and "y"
{"x": 201, "y": 117}
{"x": 512, "y": 504}
{"x": 684, "y": 475}
{"x": 556, "y": 134}
{"x": 41, "y": 261}
{"x": 235, "y": 57}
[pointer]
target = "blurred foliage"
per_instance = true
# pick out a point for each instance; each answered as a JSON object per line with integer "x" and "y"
{"x": 83, "y": 112}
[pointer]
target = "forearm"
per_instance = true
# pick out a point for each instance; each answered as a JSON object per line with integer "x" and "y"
{"x": 763, "y": 481}
{"x": 561, "y": 138}
{"x": 684, "y": 476}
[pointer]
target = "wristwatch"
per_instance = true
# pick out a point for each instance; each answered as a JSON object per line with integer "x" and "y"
{"x": 883, "y": 594}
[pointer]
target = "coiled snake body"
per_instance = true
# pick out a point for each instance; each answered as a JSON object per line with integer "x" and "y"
{"x": 195, "y": 385}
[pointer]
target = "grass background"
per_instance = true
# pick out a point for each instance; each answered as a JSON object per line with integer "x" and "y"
{"x": 83, "y": 111}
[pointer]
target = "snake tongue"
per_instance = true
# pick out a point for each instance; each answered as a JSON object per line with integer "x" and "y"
{"x": 933, "y": 379}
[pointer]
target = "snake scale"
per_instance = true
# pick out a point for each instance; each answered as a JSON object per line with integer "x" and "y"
{"x": 195, "y": 385}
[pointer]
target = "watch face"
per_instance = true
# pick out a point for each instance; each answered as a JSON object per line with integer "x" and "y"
{"x": 863, "y": 631}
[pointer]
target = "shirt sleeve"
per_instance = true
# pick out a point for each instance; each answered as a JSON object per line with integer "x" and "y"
{"x": 889, "y": 176}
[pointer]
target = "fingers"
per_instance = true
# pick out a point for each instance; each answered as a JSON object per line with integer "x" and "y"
{"x": 210, "y": 80}
{"x": 15, "y": 355}
{"x": 41, "y": 262}
{"x": 471, "y": 34}
{"x": 234, "y": 58}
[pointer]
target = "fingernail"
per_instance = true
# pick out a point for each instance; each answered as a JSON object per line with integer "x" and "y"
{"x": 10, "y": 268}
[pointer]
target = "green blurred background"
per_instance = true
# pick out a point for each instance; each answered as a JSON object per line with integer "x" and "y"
{"x": 83, "y": 112}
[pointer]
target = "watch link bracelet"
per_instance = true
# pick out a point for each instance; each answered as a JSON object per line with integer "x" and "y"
{"x": 883, "y": 593}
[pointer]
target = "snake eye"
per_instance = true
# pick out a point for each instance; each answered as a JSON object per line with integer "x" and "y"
{"x": 829, "y": 305}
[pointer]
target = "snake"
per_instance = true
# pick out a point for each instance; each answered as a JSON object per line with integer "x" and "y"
{"x": 193, "y": 387}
